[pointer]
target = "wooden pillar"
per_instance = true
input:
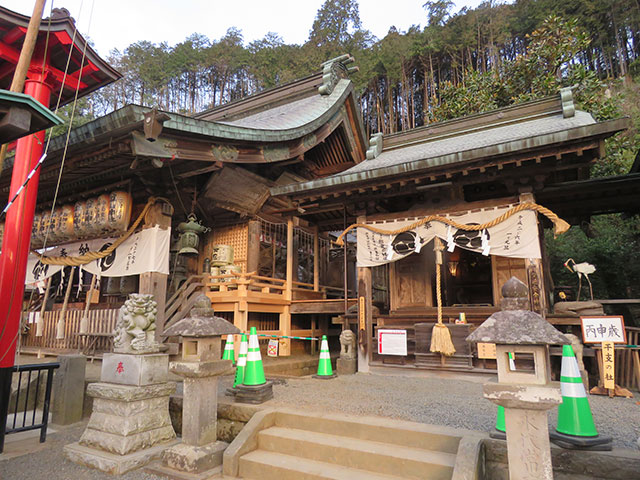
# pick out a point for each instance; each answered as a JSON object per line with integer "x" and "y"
{"x": 316, "y": 260}
{"x": 285, "y": 317}
{"x": 365, "y": 318}
{"x": 535, "y": 274}
{"x": 253, "y": 246}
{"x": 153, "y": 282}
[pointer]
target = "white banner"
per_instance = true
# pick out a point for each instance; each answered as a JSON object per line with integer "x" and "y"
{"x": 145, "y": 251}
{"x": 516, "y": 237}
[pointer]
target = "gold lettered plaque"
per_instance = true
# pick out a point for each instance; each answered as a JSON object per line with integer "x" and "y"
{"x": 362, "y": 314}
{"x": 487, "y": 350}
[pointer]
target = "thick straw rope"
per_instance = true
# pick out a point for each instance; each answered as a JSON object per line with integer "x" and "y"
{"x": 560, "y": 226}
{"x": 90, "y": 256}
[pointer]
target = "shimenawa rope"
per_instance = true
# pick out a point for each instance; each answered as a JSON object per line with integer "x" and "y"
{"x": 560, "y": 226}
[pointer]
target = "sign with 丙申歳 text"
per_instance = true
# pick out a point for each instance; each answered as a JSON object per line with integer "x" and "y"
{"x": 392, "y": 342}
{"x": 598, "y": 329}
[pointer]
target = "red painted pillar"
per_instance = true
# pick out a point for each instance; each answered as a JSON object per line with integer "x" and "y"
{"x": 19, "y": 220}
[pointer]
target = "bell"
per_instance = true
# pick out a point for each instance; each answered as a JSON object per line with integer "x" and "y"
{"x": 189, "y": 240}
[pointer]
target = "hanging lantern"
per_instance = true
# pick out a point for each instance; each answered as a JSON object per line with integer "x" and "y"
{"x": 119, "y": 211}
{"x": 189, "y": 240}
{"x": 79, "y": 225}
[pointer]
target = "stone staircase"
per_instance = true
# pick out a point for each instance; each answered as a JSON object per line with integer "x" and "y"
{"x": 291, "y": 445}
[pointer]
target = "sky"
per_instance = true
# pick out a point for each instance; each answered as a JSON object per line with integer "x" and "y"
{"x": 119, "y": 23}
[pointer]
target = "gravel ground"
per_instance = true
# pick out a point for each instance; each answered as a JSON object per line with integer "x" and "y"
{"x": 452, "y": 402}
{"x": 443, "y": 401}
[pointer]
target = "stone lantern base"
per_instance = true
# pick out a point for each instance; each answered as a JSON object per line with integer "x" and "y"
{"x": 192, "y": 459}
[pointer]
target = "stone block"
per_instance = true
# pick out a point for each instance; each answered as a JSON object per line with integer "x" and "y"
{"x": 130, "y": 424}
{"x": 129, "y": 393}
{"x": 123, "y": 445}
{"x": 137, "y": 370}
{"x": 127, "y": 409}
{"x": 68, "y": 390}
{"x": 192, "y": 459}
{"x": 346, "y": 366}
{"x": 112, "y": 463}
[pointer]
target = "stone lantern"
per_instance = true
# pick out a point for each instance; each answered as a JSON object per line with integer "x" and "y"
{"x": 526, "y": 395}
{"x": 201, "y": 336}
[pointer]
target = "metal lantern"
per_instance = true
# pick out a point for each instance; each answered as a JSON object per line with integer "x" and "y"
{"x": 189, "y": 240}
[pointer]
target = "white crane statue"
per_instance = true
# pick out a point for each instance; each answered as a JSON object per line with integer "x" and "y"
{"x": 581, "y": 269}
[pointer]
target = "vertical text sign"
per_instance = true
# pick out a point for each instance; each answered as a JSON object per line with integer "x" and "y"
{"x": 608, "y": 365}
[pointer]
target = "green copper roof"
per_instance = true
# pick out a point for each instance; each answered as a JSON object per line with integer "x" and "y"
{"x": 15, "y": 127}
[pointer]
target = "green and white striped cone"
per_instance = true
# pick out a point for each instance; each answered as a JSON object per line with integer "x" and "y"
{"x": 241, "y": 364}
{"x": 228, "y": 353}
{"x": 254, "y": 371}
{"x": 574, "y": 414}
{"x": 324, "y": 365}
{"x": 575, "y": 429}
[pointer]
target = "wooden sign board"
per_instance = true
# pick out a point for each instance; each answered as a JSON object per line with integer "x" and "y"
{"x": 599, "y": 329}
{"x": 392, "y": 342}
{"x": 362, "y": 314}
{"x": 487, "y": 351}
{"x": 608, "y": 365}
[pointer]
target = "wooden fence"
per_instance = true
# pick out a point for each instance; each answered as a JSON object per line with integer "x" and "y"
{"x": 628, "y": 370}
{"x": 100, "y": 322}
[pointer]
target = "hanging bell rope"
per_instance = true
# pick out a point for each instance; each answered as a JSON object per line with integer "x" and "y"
{"x": 90, "y": 256}
{"x": 440, "y": 335}
{"x": 559, "y": 225}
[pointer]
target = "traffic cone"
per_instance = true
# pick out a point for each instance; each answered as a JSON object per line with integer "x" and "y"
{"x": 254, "y": 371}
{"x": 228, "y": 353}
{"x": 324, "y": 365}
{"x": 242, "y": 361}
{"x": 500, "y": 431}
{"x": 575, "y": 427}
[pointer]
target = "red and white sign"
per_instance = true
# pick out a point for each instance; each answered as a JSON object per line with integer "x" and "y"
{"x": 392, "y": 342}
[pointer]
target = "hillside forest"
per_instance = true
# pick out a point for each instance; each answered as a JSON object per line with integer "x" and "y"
{"x": 450, "y": 64}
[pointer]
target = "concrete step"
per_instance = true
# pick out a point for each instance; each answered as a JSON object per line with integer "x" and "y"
{"x": 262, "y": 465}
{"x": 385, "y": 458}
{"x": 390, "y": 431}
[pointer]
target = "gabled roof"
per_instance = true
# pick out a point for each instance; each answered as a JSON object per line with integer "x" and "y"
{"x": 457, "y": 143}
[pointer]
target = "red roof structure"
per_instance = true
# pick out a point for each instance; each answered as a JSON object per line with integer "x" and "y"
{"x": 58, "y": 37}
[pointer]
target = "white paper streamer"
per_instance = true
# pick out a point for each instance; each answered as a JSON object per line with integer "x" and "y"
{"x": 451, "y": 245}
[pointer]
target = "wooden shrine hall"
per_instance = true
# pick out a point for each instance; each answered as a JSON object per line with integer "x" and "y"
{"x": 471, "y": 170}
{"x": 245, "y": 201}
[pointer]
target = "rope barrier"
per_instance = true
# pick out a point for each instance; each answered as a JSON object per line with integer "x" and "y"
{"x": 560, "y": 226}
{"x": 90, "y": 256}
{"x": 285, "y": 336}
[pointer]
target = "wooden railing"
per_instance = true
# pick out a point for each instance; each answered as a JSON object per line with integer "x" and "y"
{"x": 100, "y": 321}
{"x": 182, "y": 301}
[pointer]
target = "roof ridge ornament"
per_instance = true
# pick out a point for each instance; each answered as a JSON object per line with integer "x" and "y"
{"x": 334, "y": 70}
{"x": 375, "y": 146}
{"x": 566, "y": 98}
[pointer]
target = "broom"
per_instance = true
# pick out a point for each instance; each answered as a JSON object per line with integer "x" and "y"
{"x": 440, "y": 335}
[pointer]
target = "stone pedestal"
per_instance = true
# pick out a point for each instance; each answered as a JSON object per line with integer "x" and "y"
{"x": 346, "y": 366}
{"x": 526, "y": 407}
{"x": 130, "y": 423}
{"x": 68, "y": 390}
